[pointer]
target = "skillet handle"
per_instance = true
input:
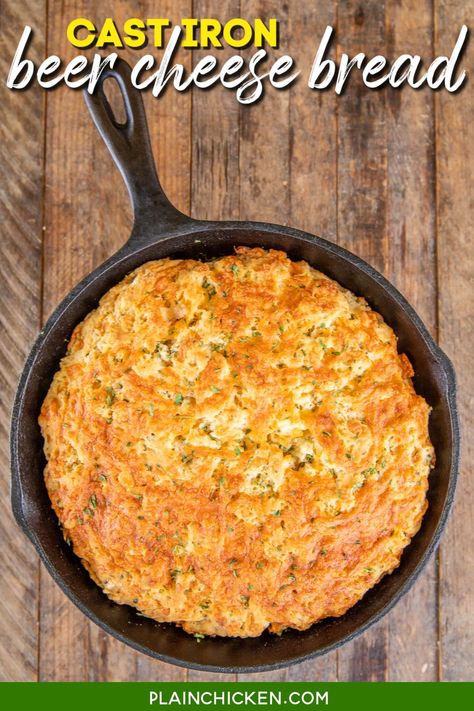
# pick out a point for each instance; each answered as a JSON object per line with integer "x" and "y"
{"x": 129, "y": 145}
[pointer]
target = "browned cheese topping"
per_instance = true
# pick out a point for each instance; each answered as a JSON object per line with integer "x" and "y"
{"x": 236, "y": 445}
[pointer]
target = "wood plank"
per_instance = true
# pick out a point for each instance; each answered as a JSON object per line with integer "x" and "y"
{"x": 361, "y": 197}
{"x": 412, "y": 648}
{"x": 87, "y": 217}
{"x": 313, "y": 183}
{"x": 265, "y": 144}
{"x": 215, "y": 134}
{"x": 80, "y": 232}
{"x": 264, "y": 166}
{"x": 455, "y": 219}
{"x": 21, "y": 195}
{"x": 215, "y": 164}
{"x": 384, "y": 199}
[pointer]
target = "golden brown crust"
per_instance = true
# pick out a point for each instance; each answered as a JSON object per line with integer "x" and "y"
{"x": 236, "y": 445}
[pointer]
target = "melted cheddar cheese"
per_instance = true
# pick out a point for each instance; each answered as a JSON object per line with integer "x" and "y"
{"x": 236, "y": 445}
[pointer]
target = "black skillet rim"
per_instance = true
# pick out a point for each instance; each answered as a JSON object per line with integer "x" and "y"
{"x": 192, "y": 230}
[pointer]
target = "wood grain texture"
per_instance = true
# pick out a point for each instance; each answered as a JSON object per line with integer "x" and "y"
{"x": 264, "y": 145}
{"x": 412, "y": 652}
{"x": 21, "y": 195}
{"x": 79, "y": 167}
{"x": 79, "y": 234}
{"x": 388, "y": 174}
{"x": 312, "y": 183}
{"x": 265, "y": 167}
{"x": 455, "y": 223}
{"x": 215, "y": 134}
{"x": 215, "y": 165}
{"x": 361, "y": 227}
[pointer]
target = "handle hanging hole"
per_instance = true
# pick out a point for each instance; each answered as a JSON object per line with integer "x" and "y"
{"x": 114, "y": 96}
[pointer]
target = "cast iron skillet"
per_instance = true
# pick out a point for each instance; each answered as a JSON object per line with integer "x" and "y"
{"x": 160, "y": 230}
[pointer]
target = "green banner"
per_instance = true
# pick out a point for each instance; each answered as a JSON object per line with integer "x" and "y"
{"x": 230, "y": 695}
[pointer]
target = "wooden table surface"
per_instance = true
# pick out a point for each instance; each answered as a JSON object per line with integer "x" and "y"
{"x": 388, "y": 174}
